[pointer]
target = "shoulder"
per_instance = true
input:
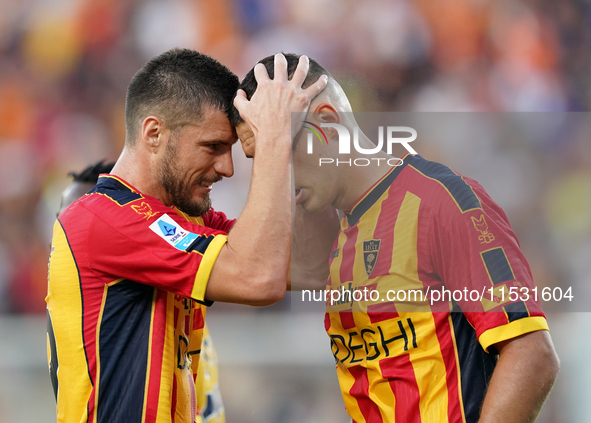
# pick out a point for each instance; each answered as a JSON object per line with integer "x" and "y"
{"x": 442, "y": 189}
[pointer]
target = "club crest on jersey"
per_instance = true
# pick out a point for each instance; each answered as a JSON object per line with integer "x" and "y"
{"x": 171, "y": 232}
{"x": 481, "y": 226}
{"x": 144, "y": 209}
{"x": 371, "y": 249}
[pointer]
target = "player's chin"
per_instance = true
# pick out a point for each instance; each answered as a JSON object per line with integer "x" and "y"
{"x": 311, "y": 205}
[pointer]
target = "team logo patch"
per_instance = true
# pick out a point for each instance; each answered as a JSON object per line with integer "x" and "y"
{"x": 144, "y": 209}
{"x": 171, "y": 232}
{"x": 481, "y": 226}
{"x": 335, "y": 253}
{"x": 371, "y": 249}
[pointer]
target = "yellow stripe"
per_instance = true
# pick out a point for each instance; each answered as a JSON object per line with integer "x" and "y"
{"x": 198, "y": 220}
{"x": 206, "y": 265}
{"x": 427, "y": 360}
{"x": 429, "y": 367}
{"x": 98, "y": 357}
{"x": 65, "y": 308}
{"x": 403, "y": 274}
{"x": 116, "y": 281}
{"x": 147, "y": 384}
{"x": 512, "y": 330}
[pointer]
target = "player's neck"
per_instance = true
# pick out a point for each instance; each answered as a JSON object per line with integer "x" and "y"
{"x": 138, "y": 171}
{"x": 356, "y": 180}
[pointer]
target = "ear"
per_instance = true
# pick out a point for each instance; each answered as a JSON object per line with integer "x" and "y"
{"x": 152, "y": 133}
{"x": 326, "y": 113}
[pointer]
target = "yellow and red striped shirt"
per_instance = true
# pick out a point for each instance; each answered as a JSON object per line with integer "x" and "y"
{"x": 127, "y": 279}
{"x": 424, "y": 228}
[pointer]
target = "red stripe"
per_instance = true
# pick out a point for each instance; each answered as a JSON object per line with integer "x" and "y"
{"x": 403, "y": 382}
{"x": 382, "y": 311}
{"x": 347, "y": 320}
{"x": 386, "y": 221}
{"x": 90, "y": 407}
{"x": 448, "y": 352}
{"x": 93, "y": 300}
{"x": 158, "y": 338}
{"x": 173, "y": 408}
{"x": 360, "y": 391}
{"x": 326, "y": 321}
{"x": 198, "y": 321}
{"x": 384, "y": 231}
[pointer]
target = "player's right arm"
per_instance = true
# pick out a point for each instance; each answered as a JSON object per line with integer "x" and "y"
{"x": 251, "y": 267}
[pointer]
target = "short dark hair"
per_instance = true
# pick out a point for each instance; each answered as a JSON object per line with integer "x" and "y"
{"x": 249, "y": 83}
{"x": 91, "y": 173}
{"x": 175, "y": 86}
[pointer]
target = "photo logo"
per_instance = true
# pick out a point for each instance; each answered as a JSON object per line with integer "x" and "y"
{"x": 317, "y": 130}
{"x": 386, "y": 136}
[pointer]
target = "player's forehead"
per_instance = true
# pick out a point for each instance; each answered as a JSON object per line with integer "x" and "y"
{"x": 213, "y": 125}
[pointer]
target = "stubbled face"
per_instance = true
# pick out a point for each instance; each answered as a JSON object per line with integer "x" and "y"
{"x": 197, "y": 156}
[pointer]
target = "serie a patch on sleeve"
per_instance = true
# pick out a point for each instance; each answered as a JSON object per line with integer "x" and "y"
{"x": 171, "y": 232}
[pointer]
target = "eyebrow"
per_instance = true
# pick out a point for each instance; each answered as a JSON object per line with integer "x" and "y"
{"x": 214, "y": 141}
{"x": 218, "y": 141}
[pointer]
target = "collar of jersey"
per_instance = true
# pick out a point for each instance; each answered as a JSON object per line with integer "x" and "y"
{"x": 374, "y": 192}
{"x": 115, "y": 182}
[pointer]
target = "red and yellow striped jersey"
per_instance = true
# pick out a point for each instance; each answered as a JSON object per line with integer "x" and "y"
{"x": 424, "y": 228}
{"x": 127, "y": 279}
{"x": 210, "y": 407}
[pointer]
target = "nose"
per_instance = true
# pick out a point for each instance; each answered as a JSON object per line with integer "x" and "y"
{"x": 224, "y": 165}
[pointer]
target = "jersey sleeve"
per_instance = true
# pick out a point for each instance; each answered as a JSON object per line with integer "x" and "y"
{"x": 163, "y": 250}
{"x": 475, "y": 251}
{"x": 218, "y": 220}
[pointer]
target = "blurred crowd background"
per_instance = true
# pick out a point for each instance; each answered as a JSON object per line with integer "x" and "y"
{"x": 65, "y": 66}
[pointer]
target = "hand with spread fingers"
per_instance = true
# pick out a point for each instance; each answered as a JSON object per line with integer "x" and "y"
{"x": 268, "y": 113}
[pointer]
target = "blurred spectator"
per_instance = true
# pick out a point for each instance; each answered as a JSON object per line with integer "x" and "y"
{"x": 65, "y": 66}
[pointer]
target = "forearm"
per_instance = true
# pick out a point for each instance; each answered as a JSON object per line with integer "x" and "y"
{"x": 313, "y": 236}
{"x": 260, "y": 239}
{"x": 522, "y": 379}
{"x": 251, "y": 268}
